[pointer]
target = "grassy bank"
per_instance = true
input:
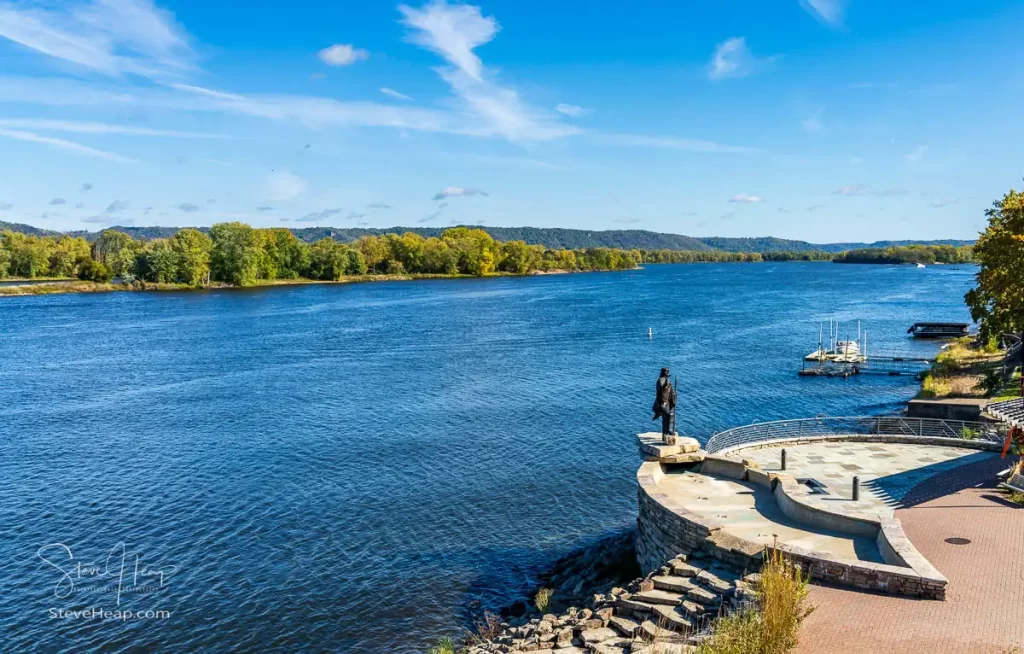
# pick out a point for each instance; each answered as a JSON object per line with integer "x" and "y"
{"x": 965, "y": 369}
{"x": 75, "y": 286}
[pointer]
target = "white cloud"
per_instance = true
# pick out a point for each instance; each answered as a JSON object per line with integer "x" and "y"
{"x": 744, "y": 198}
{"x": 187, "y": 207}
{"x": 733, "y": 58}
{"x": 860, "y": 190}
{"x": 318, "y": 216}
{"x": 82, "y": 127}
{"x": 939, "y": 204}
{"x": 117, "y": 205}
{"x": 342, "y": 54}
{"x": 86, "y": 187}
{"x": 4, "y": 206}
{"x": 391, "y": 93}
{"x": 56, "y": 201}
{"x": 829, "y": 12}
{"x": 282, "y": 186}
{"x": 62, "y": 144}
{"x": 917, "y": 153}
{"x": 454, "y": 32}
{"x": 812, "y": 124}
{"x": 673, "y": 143}
{"x": 109, "y": 36}
{"x": 852, "y": 189}
{"x": 572, "y": 110}
{"x": 458, "y": 191}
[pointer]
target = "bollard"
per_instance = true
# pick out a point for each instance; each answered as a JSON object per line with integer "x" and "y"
{"x": 856, "y": 488}
{"x": 783, "y": 458}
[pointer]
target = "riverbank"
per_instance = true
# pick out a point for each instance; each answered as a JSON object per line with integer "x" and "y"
{"x": 51, "y": 287}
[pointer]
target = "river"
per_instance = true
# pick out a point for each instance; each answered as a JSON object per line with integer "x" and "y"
{"x": 347, "y": 468}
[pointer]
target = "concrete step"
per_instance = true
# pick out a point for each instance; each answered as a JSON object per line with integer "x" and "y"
{"x": 652, "y": 632}
{"x": 624, "y": 626}
{"x": 673, "y": 618}
{"x": 673, "y": 584}
{"x": 662, "y": 596}
{"x": 704, "y": 596}
{"x": 634, "y": 605}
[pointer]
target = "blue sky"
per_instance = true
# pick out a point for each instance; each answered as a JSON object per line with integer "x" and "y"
{"x": 823, "y": 120}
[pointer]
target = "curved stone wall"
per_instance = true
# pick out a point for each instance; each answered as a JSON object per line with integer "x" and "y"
{"x": 665, "y": 529}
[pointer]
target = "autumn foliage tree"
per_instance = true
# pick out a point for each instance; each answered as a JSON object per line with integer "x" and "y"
{"x": 998, "y": 299}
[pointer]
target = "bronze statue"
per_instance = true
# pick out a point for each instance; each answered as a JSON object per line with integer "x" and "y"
{"x": 665, "y": 403}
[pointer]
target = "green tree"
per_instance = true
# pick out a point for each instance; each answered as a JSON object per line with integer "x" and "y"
{"x": 287, "y": 256}
{"x": 5, "y": 260}
{"x": 375, "y": 251}
{"x": 66, "y": 254}
{"x": 117, "y": 250}
{"x": 476, "y": 252}
{"x": 515, "y": 257}
{"x": 192, "y": 251}
{"x": 328, "y": 259}
{"x": 158, "y": 262}
{"x": 998, "y": 299}
{"x": 356, "y": 262}
{"x": 235, "y": 255}
{"x": 29, "y": 255}
{"x": 93, "y": 271}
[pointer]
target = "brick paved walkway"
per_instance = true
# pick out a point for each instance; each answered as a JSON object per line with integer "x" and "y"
{"x": 984, "y": 607}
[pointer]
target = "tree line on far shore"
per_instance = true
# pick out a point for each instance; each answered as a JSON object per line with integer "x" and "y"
{"x": 240, "y": 255}
{"x": 909, "y": 254}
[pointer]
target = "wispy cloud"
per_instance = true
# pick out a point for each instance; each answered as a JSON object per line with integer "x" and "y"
{"x": 57, "y": 201}
{"x": 432, "y": 217}
{"x": 318, "y": 216}
{"x": 116, "y": 206}
{"x": 813, "y": 124}
{"x": 815, "y": 207}
{"x": 81, "y": 127}
{"x": 453, "y": 32}
{"x": 744, "y": 198}
{"x": 940, "y": 204}
{"x": 378, "y": 205}
{"x": 4, "y": 206}
{"x": 342, "y": 54}
{"x": 283, "y": 186}
{"x": 733, "y": 58}
{"x": 917, "y": 153}
{"x": 727, "y": 216}
{"x": 572, "y": 110}
{"x": 187, "y": 207}
{"x": 673, "y": 143}
{"x": 860, "y": 189}
{"x": 391, "y": 93}
{"x": 458, "y": 191}
{"x": 688, "y": 213}
{"x": 265, "y": 208}
{"x": 354, "y": 216}
{"x": 828, "y": 12}
{"x": 109, "y": 36}
{"x": 627, "y": 221}
{"x": 86, "y": 187}
{"x": 70, "y": 146}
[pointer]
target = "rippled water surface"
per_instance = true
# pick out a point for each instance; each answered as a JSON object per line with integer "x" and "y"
{"x": 346, "y": 468}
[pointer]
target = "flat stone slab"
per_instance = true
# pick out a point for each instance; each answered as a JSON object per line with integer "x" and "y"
{"x": 702, "y": 596}
{"x": 652, "y": 444}
{"x": 677, "y": 619}
{"x": 659, "y": 597}
{"x": 673, "y": 584}
{"x": 624, "y": 626}
{"x": 598, "y": 635}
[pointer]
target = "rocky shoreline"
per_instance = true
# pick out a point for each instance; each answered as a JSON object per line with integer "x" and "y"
{"x": 670, "y": 611}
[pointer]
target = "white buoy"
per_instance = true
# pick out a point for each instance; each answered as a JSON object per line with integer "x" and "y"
{"x": 650, "y": 332}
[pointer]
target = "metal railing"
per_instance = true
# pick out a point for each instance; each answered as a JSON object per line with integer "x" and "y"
{"x": 857, "y": 425}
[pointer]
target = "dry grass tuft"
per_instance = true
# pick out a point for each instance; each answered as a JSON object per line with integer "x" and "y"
{"x": 771, "y": 627}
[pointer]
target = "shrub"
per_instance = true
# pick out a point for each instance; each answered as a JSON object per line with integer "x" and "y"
{"x": 93, "y": 271}
{"x": 444, "y": 646}
{"x": 772, "y": 625}
{"x": 543, "y": 599}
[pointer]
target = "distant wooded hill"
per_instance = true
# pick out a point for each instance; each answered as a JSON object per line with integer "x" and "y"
{"x": 552, "y": 237}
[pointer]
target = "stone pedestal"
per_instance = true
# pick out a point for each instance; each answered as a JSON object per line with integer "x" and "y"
{"x": 678, "y": 449}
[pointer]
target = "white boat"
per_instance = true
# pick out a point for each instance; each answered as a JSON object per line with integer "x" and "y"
{"x": 920, "y": 265}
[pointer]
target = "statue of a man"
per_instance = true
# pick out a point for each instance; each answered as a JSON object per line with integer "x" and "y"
{"x": 664, "y": 402}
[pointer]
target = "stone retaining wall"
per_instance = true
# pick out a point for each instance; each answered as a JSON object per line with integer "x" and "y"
{"x": 666, "y": 529}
